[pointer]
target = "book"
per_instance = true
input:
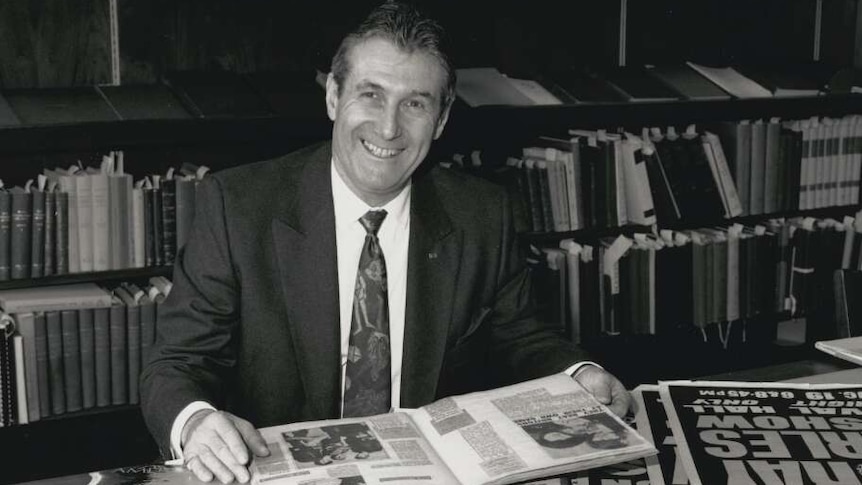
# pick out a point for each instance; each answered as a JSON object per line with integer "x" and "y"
{"x": 587, "y": 86}
{"x": 20, "y": 381}
{"x": 131, "y": 298}
{"x": 38, "y": 228}
{"x": 54, "y": 330}
{"x": 87, "y": 337}
{"x": 83, "y": 202}
{"x": 20, "y": 232}
{"x": 102, "y": 354}
{"x": 26, "y": 325}
{"x": 49, "y": 243}
{"x": 72, "y": 376}
{"x": 169, "y": 219}
{"x": 42, "y": 365}
{"x": 144, "y": 102}
{"x": 62, "y": 244}
{"x": 185, "y": 204}
{"x": 120, "y": 215}
{"x": 139, "y": 242}
{"x": 100, "y": 213}
{"x": 119, "y": 354}
{"x": 730, "y": 80}
{"x": 5, "y": 234}
{"x": 68, "y": 232}
{"x": 57, "y": 297}
{"x": 481, "y": 86}
{"x": 639, "y": 198}
{"x": 689, "y": 83}
{"x": 788, "y": 80}
{"x": 452, "y": 440}
{"x": 8, "y": 386}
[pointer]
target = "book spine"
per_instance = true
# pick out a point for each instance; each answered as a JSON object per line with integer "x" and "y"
{"x": 37, "y": 236}
{"x": 42, "y": 365}
{"x": 67, "y": 184}
{"x": 20, "y": 381}
{"x": 84, "y": 204}
{"x": 158, "y": 228}
{"x": 61, "y": 238}
{"x": 5, "y": 235}
{"x": 102, "y": 359}
{"x": 139, "y": 241}
{"x": 26, "y": 324}
{"x": 22, "y": 213}
{"x": 55, "y": 362}
{"x": 169, "y": 220}
{"x": 49, "y": 242}
{"x": 71, "y": 359}
{"x": 8, "y": 416}
{"x": 86, "y": 332}
{"x": 101, "y": 226}
{"x": 133, "y": 352}
{"x": 149, "y": 229}
{"x": 119, "y": 361}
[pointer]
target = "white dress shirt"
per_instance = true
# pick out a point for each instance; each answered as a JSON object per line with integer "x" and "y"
{"x": 394, "y": 237}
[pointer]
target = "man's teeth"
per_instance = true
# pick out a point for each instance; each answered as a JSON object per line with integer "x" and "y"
{"x": 378, "y": 151}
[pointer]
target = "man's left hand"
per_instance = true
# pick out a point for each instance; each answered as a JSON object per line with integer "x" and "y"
{"x": 606, "y": 388}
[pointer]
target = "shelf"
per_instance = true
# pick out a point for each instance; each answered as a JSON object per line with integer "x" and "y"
{"x": 512, "y": 124}
{"x": 120, "y": 274}
{"x": 837, "y": 212}
{"x": 109, "y": 135}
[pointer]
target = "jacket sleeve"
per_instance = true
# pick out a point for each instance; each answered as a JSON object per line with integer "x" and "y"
{"x": 194, "y": 353}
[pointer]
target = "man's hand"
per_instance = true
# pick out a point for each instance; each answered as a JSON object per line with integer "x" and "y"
{"x": 216, "y": 444}
{"x": 606, "y": 388}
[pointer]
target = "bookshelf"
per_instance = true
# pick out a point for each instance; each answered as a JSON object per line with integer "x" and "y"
{"x": 176, "y": 37}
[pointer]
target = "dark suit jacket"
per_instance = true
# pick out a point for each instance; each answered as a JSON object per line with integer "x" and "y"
{"x": 252, "y": 325}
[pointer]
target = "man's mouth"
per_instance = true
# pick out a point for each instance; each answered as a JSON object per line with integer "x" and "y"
{"x": 380, "y": 152}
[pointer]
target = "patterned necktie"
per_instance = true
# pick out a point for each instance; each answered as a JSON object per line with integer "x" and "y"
{"x": 367, "y": 385}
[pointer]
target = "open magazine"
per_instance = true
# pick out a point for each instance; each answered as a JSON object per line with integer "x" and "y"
{"x": 544, "y": 427}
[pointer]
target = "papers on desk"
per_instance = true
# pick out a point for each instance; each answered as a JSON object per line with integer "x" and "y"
{"x": 849, "y": 349}
{"x": 739, "y": 432}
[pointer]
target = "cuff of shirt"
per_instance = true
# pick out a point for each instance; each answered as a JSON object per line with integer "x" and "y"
{"x": 574, "y": 369}
{"x": 180, "y": 423}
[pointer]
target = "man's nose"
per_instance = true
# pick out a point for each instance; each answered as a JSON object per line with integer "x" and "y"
{"x": 389, "y": 124}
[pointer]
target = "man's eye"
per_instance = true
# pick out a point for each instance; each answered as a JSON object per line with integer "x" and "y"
{"x": 415, "y": 104}
{"x": 369, "y": 94}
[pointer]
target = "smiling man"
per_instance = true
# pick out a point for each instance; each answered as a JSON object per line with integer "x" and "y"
{"x": 348, "y": 278}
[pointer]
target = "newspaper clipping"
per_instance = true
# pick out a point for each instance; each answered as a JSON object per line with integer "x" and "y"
{"x": 765, "y": 433}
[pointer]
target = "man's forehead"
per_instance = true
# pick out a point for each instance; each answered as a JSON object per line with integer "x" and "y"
{"x": 378, "y": 60}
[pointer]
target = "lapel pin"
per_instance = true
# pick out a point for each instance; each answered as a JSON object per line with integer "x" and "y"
{"x": 432, "y": 255}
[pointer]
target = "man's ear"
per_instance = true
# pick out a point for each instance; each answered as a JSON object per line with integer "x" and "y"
{"x": 441, "y": 121}
{"x": 331, "y": 96}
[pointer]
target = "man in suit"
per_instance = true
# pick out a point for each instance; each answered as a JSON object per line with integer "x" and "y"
{"x": 258, "y": 329}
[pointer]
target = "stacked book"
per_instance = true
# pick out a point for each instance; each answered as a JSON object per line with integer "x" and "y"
{"x": 656, "y": 284}
{"x": 73, "y": 347}
{"x": 84, "y": 219}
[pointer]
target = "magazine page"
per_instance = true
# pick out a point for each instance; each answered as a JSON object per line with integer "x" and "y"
{"x": 129, "y": 475}
{"x": 766, "y": 433}
{"x": 666, "y": 467}
{"x": 357, "y": 451}
{"x": 534, "y": 429}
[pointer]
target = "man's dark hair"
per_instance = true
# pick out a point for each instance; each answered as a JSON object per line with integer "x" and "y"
{"x": 407, "y": 28}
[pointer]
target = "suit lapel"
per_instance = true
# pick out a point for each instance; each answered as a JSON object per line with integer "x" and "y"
{"x": 304, "y": 238}
{"x": 433, "y": 264}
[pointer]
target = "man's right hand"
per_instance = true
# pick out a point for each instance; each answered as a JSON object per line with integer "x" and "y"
{"x": 217, "y": 443}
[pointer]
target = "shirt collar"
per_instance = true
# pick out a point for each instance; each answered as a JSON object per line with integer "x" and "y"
{"x": 349, "y": 207}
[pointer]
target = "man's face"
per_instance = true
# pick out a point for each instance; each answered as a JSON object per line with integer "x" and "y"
{"x": 386, "y": 117}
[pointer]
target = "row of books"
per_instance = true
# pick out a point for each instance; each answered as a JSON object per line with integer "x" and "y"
{"x": 796, "y": 164}
{"x": 596, "y": 179}
{"x": 73, "y": 347}
{"x": 180, "y": 95}
{"x": 84, "y": 219}
{"x": 481, "y": 86}
{"x": 655, "y": 284}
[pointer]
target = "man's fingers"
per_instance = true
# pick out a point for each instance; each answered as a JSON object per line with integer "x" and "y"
{"x": 252, "y": 437}
{"x": 226, "y": 456}
{"x": 199, "y": 469}
{"x": 215, "y": 465}
{"x": 229, "y": 446}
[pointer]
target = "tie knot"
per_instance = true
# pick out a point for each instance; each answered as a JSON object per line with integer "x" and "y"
{"x": 372, "y": 220}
